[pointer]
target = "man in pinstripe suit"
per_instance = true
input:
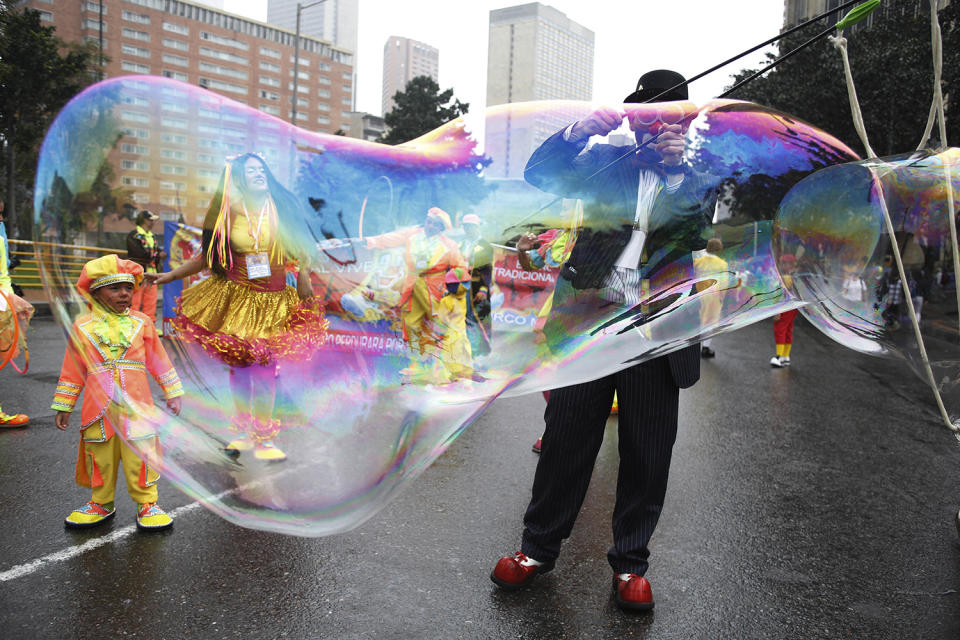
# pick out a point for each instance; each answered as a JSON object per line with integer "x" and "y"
{"x": 612, "y": 262}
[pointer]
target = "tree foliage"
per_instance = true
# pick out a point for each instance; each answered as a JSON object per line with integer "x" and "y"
{"x": 421, "y": 107}
{"x": 892, "y": 68}
{"x": 39, "y": 74}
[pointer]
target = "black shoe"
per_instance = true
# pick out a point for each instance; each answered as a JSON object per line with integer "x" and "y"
{"x": 707, "y": 352}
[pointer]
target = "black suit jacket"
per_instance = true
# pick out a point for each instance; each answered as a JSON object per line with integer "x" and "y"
{"x": 606, "y": 178}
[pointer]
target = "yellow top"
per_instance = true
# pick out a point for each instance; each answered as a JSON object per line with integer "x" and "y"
{"x": 242, "y": 235}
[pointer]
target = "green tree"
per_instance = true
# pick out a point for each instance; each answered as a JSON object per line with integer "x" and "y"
{"x": 39, "y": 73}
{"x": 421, "y": 107}
{"x": 892, "y": 69}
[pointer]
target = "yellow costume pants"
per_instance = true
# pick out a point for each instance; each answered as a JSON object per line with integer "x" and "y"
{"x": 418, "y": 318}
{"x": 103, "y": 459}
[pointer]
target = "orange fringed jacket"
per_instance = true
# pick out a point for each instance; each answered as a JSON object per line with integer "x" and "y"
{"x": 426, "y": 257}
{"x": 89, "y": 367}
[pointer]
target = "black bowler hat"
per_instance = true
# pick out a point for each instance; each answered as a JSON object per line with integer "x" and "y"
{"x": 653, "y": 83}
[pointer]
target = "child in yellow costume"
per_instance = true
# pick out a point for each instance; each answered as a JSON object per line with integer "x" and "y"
{"x": 110, "y": 351}
{"x": 455, "y": 358}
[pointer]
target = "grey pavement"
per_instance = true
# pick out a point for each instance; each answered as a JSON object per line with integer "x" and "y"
{"x": 810, "y": 502}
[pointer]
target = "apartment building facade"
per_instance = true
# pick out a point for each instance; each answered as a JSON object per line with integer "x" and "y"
{"x": 241, "y": 59}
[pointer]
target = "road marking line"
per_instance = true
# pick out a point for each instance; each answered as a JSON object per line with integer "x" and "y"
{"x": 89, "y": 545}
{"x": 59, "y": 556}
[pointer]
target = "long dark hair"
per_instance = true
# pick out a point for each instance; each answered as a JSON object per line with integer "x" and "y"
{"x": 293, "y": 232}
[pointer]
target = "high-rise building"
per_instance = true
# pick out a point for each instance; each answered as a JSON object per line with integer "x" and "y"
{"x": 334, "y": 20}
{"x": 245, "y": 60}
{"x": 403, "y": 60}
{"x": 535, "y": 52}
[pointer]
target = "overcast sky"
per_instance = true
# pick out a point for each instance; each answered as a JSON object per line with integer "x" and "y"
{"x": 631, "y": 36}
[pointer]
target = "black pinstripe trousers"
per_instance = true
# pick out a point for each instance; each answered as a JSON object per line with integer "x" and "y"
{"x": 575, "y": 417}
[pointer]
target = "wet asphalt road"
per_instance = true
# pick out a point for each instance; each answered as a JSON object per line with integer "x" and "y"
{"x": 811, "y": 502}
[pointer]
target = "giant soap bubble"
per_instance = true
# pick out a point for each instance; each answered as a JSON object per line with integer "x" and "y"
{"x": 430, "y": 311}
{"x": 833, "y": 223}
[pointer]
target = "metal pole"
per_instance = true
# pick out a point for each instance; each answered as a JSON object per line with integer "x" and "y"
{"x": 100, "y": 53}
{"x": 296, "y": 69}
{"x": 296, "y": 61}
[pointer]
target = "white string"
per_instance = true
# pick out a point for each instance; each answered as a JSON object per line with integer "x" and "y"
{"x": 840, "y": 43}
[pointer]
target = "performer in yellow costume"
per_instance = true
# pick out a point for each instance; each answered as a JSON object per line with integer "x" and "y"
{"x": 456, "y": 356}
{"x": 13, "y": 309}
{"x": 245, "y": 314}
{"x": 428, "y": 254}
{"x": 110, "y": 352}
{"x": 711, "y": 266}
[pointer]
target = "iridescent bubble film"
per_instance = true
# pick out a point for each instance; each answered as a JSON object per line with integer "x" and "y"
{"x": 834, "y": 224}
{"x": 306, "y": 408}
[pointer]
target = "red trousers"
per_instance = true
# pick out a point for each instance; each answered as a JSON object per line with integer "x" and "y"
{"x": 783, "y": 328}
{"x": 145, "y": 300}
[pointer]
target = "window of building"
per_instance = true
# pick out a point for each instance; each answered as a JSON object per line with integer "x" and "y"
{"x": 135, "y": 116}
{"x": 91, "y": 23}
{"x": 136, "y": 34}
{"x": 176, "y": 75}
{"x": 269, "y": 66}
{"x": 176, "y": 107}
{"x": 173, "y": 154}
{"x": 303, "y": 75}
{"x": 323, "y": 80}
{"x": 208, "y": 173}
{"x": 207, "y": 158}
{"x": 139, "y": 18}
{"x": 346, "y": 101}
{"x": 323, "y": 93}
{"x": 135, "y": 181}
{"x": 176, "y": 44}
{"x": 225, "y": 41}
{"x": 134, "y": 67}
{"x": 176, "y": 28}
{"x": 130, "y": 50}
{"x": 323, "y": 120}
{"x": 270, "y": 82}
{"x": 220, "y": 85}
{"x": 46, "y": 16}
{"x": 135, "y": 165}
{"x": 304, "y": 62}
{"x": 222, "y": 70}
{"x": 173, "y": 169}
{"x": 169, "y": 58}
{"x": 140, "y": 197}
{"x": 173, "y": 186}
{"x": 300, "y": 88}
{"x": 175, "y": 123}
{"x": 270, "y": 53}
{"x": 323, "y": 106}
{"x": 222, "y": 55}
{"x": 174, "y": 138}
{"x": 138, "y": 101}
{"x": 269, "y": 95}
{"x": 137, "y": 149}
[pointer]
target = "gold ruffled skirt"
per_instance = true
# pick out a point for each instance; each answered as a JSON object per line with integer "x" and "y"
{"x": 242, "y": 325}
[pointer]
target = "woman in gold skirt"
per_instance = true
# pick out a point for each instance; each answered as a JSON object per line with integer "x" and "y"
{"x": 245, "y": 314}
